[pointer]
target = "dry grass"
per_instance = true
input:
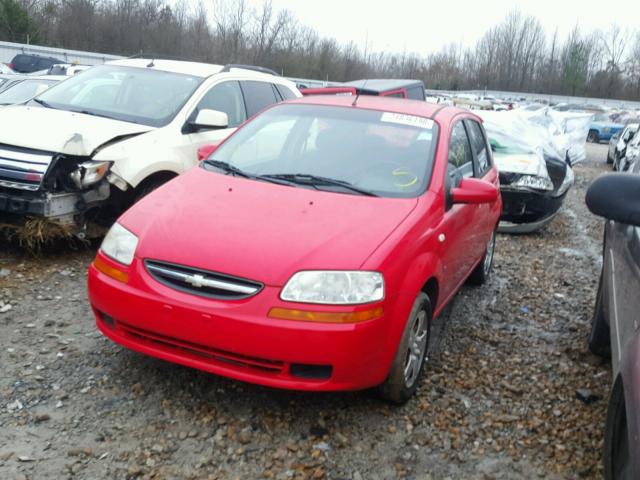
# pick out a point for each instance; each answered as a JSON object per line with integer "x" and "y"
{"x": 36, "y": 233}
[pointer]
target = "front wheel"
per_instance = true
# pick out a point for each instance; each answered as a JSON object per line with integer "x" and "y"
{"x": 411, "y": 356}
{"x": 593, "y": 137}
{"x": 617, "y": 454}
{"x": 481, "y": 273}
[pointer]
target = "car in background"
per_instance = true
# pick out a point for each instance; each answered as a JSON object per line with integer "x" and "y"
{"x": 602, "y": 128}
{"x": 618, "y": 144}
{"x": 615, "y": 330}
{"x": 408, "y": 89}
{"x": 21, "y": 89}
{"x": 255, "y": 266}
{"x": 29, "y": 63}
{"x": 631, "y": 154}
{"x": 86, "y": 149}
{"x": 67, "y": 69}
{"x": 533, "y": 183}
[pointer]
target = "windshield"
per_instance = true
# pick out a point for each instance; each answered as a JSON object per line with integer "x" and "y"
{"x": 386, "y": 154}
{"x": 23, "y": 91}
{"x": 146, "y": 96}
{"x": 601, "y": 117}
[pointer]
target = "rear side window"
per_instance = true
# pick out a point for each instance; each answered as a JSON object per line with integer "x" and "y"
{"x": 285, "y": 92}
{"x": 44, "y": 64}
{"x": 460, "y": 157}
{"x": 479, "y": 145}
{"x": 257, "y": 95}
{"x": 415, "y": 93}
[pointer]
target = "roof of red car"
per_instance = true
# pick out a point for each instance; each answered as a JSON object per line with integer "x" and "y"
{"x": 387, "y": 104}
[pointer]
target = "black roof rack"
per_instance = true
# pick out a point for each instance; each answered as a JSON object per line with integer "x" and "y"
{"x": 229, "y": 66}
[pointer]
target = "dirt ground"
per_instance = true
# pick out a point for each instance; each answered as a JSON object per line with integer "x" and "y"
{"x": 498, "y": 400}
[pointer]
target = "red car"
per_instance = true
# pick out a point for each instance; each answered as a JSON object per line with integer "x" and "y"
{"x": 311, "y": 250}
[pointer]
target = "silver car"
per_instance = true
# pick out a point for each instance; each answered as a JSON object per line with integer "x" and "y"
{"x": 615, "y": 329}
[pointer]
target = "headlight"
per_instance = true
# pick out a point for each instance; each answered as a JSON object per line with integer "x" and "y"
{"x": 531, "y": 181}
{"x": 334, "y": 287}
{"x": 89, "y": 173}
{"x": 120, "y": 244}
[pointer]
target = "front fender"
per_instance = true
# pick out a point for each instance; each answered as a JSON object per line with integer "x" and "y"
{"x": 630, "y": 372}
{"x": 416, "y": 274}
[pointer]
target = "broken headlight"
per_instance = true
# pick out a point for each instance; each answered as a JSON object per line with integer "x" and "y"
{"x": 89, "y": 173}
{"x": 534, "y": 181}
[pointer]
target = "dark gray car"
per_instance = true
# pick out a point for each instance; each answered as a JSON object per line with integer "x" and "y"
{"x": 615, "y": 327}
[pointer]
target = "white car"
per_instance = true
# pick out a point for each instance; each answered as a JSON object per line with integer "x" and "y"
{"x": 22, "y": 88}
{"x": 86, "y": 149}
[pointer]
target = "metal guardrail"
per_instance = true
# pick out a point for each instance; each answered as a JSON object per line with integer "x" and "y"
{"x": 8, "y": 50}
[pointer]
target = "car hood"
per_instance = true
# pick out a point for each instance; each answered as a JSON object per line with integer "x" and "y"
{"x": 258, "y": 230}
{"x": 61, "y": 131}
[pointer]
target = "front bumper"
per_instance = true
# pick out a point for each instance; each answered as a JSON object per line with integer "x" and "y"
{"x": 525, "y": 211}
{"x": 60, "y": 207}
{"x": 237, "y": 339}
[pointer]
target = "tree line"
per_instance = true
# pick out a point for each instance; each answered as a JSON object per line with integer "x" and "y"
{"x": 515, "y": 55}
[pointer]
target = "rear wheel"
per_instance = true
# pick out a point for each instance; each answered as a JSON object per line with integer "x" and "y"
{"x": 599, "y": 339}
{"x": 482, "y": 271}
{"x": 593, "y": 137}
{"x": 408, "y": 364}
{"x": 617, "y": 455}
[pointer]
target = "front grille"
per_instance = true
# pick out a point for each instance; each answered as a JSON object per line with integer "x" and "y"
{"x": 22, "y": 168}
{"x": 201, "y": 352}
{"x": 202, "y": 282}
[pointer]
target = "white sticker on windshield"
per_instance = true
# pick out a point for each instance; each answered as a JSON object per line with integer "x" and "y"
{"x": 411, "y": 120}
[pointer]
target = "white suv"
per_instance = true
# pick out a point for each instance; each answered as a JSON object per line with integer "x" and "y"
{"x": 90, "y": 146}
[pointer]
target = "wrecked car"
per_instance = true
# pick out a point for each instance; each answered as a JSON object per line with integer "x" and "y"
{"x": 618, "y": 145}
{"x": 86, "y": 149}
{"x": 534, "y": 178}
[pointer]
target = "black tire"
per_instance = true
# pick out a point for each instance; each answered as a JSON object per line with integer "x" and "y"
{"x": 599, "y": 337}
{"x": 593, "y": 137}
{"x": 397, "y": 388}
{"x": 482, "y": 272}
{"x": 617, "y": 455}
{"x": 148, "y": 186}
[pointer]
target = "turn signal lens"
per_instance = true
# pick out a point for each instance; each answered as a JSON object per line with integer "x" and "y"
{"x": 110, "y": 271}
{"x": 326, "y": 317}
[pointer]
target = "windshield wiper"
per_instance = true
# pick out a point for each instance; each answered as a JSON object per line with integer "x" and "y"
{"x": 43, "y": 103}
{"x": 94, "y": 114}
{"x": 316, "y": 180}
{"x": 233, "y": 170}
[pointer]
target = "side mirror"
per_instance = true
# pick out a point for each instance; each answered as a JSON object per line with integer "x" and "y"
{"x": 473, "y": 190}
{"x": 205, "y": 151}
{"x": 210, "y": 120}
{"x": 616, "y": 196}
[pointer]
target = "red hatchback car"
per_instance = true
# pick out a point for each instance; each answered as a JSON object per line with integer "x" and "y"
{"x": 311, "y": 250}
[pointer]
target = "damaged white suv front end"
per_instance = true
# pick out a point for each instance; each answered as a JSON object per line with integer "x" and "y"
{"x": 86, "y": 149}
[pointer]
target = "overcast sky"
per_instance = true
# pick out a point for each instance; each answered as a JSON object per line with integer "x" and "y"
{"x": 424, "y": 26}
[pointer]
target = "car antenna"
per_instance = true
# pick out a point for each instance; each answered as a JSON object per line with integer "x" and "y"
{"x": 355, "y": 102}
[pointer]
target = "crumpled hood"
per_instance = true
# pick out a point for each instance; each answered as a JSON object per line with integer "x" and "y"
{"x": 60, "y": 131}
{"x": 259, "y": 230}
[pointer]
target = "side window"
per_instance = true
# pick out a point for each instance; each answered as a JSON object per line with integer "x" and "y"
{"x": 257, "y": 95}
{"x": 284, "y": 92}
{"x": 415, "y": 93}
{"x": 225, "y": 97}
{"x": 479, "y": 145}
{"x": 460, "y": 158}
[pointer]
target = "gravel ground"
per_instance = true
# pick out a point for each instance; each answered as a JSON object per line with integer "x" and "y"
{"x": 498, "y": 399}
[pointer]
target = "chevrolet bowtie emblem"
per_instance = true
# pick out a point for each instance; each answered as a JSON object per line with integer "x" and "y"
{"x": 197, "y": 281}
